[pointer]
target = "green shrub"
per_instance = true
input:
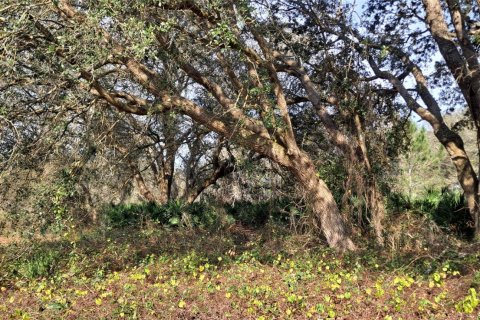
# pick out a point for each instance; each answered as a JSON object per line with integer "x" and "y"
{"x": 199, "y": 214}
{"x": 41, "y": 264}
{"x": 250, "y": 214}
{"x": 173, "y": 213}
{"x": 398, "y": 202}
{"x": 130, "y": 214}
{"x": 476, "y": 280}
{"x": 469, "y": 303}
{"x": 445, "y": 207}
{"x": 257, "y": 214}
{"x": 208, "y": 216}
{"x": 136, "y": 213}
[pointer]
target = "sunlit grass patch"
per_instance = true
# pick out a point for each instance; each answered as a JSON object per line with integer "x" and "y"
{"x": 139, "y": 276}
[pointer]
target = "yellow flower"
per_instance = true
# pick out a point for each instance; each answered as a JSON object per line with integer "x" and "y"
{"x": 81, "y": 292}
{"x": 182, "y": 304}
{"x": 98, "y": 301}
{"x": 288, "y": 312}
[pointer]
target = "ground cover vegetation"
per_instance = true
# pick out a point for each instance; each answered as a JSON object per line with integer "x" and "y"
{"x": 271, "y": 159}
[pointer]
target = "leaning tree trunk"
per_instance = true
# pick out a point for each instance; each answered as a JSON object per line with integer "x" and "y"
{"x": 221, "y": 170}
{"x": 142, "y": 187}
{"x": 323, "y": 205}
{"x": 462, "y": 60}
{"x": 465, "y": 173}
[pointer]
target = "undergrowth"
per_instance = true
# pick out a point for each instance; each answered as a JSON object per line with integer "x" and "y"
{"x": 199, "y": 214}
{"x": 185, "y": 273}
{"x": 445, "y": 208}
{"x": 202, "y": 261}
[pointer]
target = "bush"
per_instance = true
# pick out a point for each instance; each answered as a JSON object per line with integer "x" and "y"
{"x": 257, "y": 214}
{"x": 209, "y": 216}
{"x": 123, "y": 215}
{"x": 174, "y": 213}
{"x": 199, "y": 214}
{"x": 445, "y": 207}
{"x": 41, "y": 264}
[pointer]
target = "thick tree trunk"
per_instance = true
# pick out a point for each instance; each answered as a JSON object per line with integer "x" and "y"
{"x": 452, "y": 142}
{"x": 374, "y": 196}
{"x": 323, "y": 205}
{"x": 171, "y": 148}
{"x": 164, "y": 185}
{"x": 164, "y": 170}
{"x": 464, "y": 66}
{"x": 163, "y": 189}
{"x": 465, "y": 173}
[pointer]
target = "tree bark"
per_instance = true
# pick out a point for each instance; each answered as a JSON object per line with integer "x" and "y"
{"x": 323, "y": 205}
{"x": 374, "y": 196}
{"x": 163, "y": 189}
{"x": 142, "y": 187}
{"x": 168, "y": 167}
{"x": 377, "y": 209}
{"x": 223, "y": 170}
{"x": 93, "y": 214}
{"x": 465, "y": 68}
{"x": 355, "y": 152}
{"x": 465, "y": 173}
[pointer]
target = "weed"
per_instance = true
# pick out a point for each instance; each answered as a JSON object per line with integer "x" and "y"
{"x": 469, "y": 303}
{"x": 40, "y": 265}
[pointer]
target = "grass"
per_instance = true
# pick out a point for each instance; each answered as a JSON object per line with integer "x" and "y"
{"x": 239, "y": 273}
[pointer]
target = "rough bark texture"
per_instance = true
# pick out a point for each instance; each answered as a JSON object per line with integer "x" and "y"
{"x": 354, "y": 151}
{"x": 90, "y": 204}
{"x": 465, "y": 173}
{"x": 323, "y": 205}
{"x": 373, "y": 194}
{"x": 462, "y": 60}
